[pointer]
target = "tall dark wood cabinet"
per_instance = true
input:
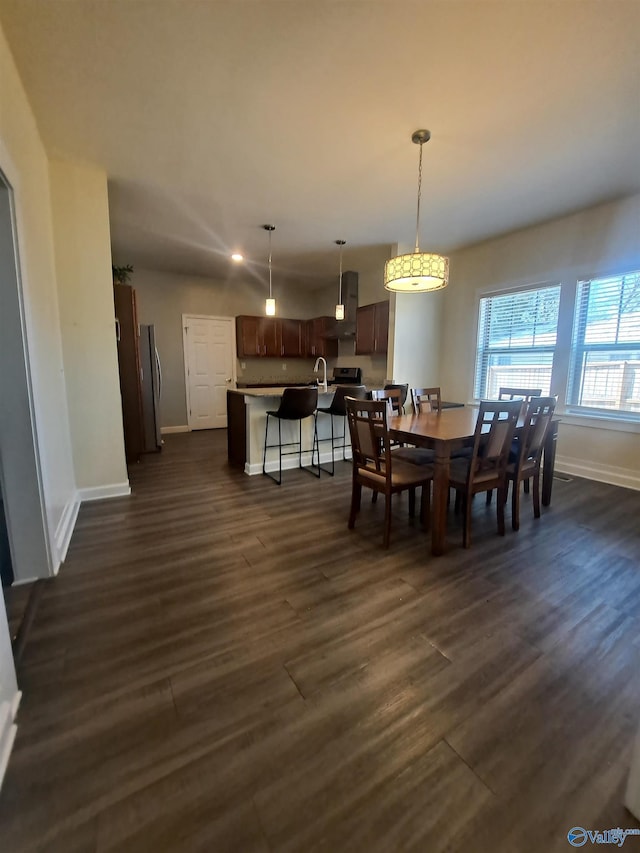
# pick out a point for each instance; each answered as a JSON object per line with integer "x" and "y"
{"x": 127, "y": 336}
{"x": 372, "y": 329}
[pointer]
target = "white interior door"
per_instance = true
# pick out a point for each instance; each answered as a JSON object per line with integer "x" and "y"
{"x": 209, "y": 353}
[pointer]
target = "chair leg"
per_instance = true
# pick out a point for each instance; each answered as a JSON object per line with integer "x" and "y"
{"x": 500, "y": 501}
{"x": 515, "y": 505}
{"x": 264, "y": 452}
{"x": 526, "y": 486}
{"x": 374, "y": 497}
{"x": 412, "y": 503}
{"x": 387, "y": 521}
{"x": 466, "y": 530}
{"x": 536, "y": 495}
{"x": 356, "y": 493}
{"x": 489, "y": 495}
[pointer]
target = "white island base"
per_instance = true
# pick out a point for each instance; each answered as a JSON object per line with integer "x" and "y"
{"x": 247, "y": 416}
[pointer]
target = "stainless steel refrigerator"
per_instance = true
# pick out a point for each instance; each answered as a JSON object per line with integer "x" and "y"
{"x": 151, "y": 382}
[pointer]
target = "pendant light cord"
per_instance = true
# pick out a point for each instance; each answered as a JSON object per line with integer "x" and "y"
{"x": 340, "y": 274}
{"x": 270, "y": 232}
{"x": 419, "y": 194}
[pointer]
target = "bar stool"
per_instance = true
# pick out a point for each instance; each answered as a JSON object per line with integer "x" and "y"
{"x": 338, "y": 409}
{"x": 296, "y": 404}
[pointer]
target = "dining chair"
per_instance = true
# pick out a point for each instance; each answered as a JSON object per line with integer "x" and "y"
{"x": 402, "y": 387}
{"x": 393, "y": 397}
{"x": 525, "y": 394}
{"x": 337, "y": 409}
{"x": 426, "y": 400}
{"x": 376, "y": 467}
{"x": 526, "y": 465}
{"x": 486, "y": 468}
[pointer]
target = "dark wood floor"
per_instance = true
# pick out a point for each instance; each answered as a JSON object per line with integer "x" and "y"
{"x": 222, "y": 666}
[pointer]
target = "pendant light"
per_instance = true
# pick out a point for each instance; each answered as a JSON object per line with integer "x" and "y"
{"x": 417, "y": 272}
{"x": 340, "y": 305}
{"x": 270, "y": 304}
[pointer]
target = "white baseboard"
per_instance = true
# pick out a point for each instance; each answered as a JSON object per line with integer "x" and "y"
{"x": 289, "y": 462}
{"x": 600, "y": 473}
{"x": 100, "y": 493}
{"x": 8, "y": 729}
{"x": 64, "y": 529}
{"x": 172, "y": 429}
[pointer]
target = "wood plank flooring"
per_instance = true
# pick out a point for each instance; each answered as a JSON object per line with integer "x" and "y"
{"x": 222, "y": 666}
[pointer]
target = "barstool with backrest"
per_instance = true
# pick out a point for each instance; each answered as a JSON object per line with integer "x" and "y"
{"x": 296, "y": 404}
{"x": 402, "y": 387}
{"x": 337, "y": 409}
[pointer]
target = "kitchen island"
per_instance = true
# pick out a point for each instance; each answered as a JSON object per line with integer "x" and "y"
{"x": 246, "y": 418}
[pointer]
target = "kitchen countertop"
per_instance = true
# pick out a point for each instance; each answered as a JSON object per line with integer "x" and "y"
{"x": 275, "y": 391}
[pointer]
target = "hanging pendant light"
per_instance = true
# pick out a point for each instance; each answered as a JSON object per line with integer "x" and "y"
{"x": 270, "y": 304}
{"x": 417, "y": 272}
{"x": 340, "y": 305}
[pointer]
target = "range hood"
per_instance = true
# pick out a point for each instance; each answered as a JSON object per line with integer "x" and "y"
{"x": 346, "y": 329}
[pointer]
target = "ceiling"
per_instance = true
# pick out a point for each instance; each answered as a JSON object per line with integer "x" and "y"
{"x": 213, "y": 118}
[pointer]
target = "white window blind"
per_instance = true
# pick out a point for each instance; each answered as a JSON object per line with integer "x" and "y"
{"x": 516, "y": 340}
{"x": 605, "y": 354}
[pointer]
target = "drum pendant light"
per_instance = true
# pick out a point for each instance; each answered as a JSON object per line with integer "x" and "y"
{"x": 270, "y": 304}
{"x": 417, "y": 272}
{"x": 340, "y": 305}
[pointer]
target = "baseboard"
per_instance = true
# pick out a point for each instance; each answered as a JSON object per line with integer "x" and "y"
{"x": 292, "y": 462}
{"x": 610, "y": 474}
{"x": 8, "y": 729}
{"x": 100, "y": 493}
{"x": 172, "y": 429}
{"x": 64, "y": 529}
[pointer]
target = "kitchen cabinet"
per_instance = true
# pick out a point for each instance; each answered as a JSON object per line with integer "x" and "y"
{"x": 292, "y": 338}
{"x": 258, "y": 337}
{"x": 317, "y": 341}
{"x": 372, "y": 329}
{"x": 129, "y": 368}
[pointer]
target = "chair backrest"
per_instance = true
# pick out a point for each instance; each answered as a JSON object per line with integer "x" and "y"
{"x": 337, "y": 406}
{"x": 537, "y": 420}
{"x": 370, "y": 446}
{"x": 518, "y": 393}
{"x": 425, "y": 400}
{"x": 492, "y": 439}
{"x": 393, "y": 398}
{"x": 402, "y": 387}
{"x": 297, "y": 403}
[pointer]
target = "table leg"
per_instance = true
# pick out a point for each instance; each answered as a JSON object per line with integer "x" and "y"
{"x": 439, "y": 509}
{"x": 548, "y": 463}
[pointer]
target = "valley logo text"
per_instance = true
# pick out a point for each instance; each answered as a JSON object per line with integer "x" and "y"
{"x": 578, "y": 836}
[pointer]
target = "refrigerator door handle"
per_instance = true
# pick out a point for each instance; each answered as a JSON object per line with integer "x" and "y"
{"x": 159, "y": 374}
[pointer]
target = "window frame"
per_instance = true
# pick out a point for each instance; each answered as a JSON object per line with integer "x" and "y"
{"x": 515, "y": 290}
{"x": 578, "y": 349}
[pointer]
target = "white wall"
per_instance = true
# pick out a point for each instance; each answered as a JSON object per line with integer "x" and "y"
{"x": 598, "y": 241}
{"x": 24, "y": 162}
{"x": 83, "y": 266}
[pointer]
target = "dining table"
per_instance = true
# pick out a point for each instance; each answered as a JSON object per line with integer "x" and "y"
{"x": 448, "y": 430}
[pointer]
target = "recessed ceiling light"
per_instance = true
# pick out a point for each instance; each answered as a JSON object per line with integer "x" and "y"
{"x": 237, "y": 257}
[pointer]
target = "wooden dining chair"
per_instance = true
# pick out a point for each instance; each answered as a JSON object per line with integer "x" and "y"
{"x": 375, "y": 465}
{"x": 393, "y": 397}
{"x": 486, "y": 468}
{"x": 425, "y": 400}
{"x": 526, "y": 465}
{"x": 518, "y": 393}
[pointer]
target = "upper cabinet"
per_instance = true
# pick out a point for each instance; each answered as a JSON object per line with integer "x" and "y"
{"x": 372, "y": 329}
{"x": 317, "y": 342}
{"x": 269, "y": 337}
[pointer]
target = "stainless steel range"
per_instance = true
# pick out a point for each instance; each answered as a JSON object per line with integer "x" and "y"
{"x": 346, "y": 376}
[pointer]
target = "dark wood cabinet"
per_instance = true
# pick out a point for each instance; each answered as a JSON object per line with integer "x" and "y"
{"x": 258, "y": 336}
{"x": 317, "y": 341}
{"x": 127, "y": 337}
{"x": 275, "y": 337}
{"x": 372, "y": 329}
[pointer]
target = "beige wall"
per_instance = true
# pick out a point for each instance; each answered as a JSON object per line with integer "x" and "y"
{"x": 597, "y": 241}
{"x": 24, "y": 162}
{"x": 83, "y": 266}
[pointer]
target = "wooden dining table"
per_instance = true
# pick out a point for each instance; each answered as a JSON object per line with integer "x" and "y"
{"x": 444, "y": 432}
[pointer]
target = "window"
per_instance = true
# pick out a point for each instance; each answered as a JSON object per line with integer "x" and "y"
{"x": 605, "y": 354}
{"x": 516, "y": 340}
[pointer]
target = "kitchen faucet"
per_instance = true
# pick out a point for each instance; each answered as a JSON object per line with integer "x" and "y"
{"x": 321, "y": 385}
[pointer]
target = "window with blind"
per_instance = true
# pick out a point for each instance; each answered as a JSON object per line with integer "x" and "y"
{"x": 516, "y": 340}
{"x": 605, "y": 353}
